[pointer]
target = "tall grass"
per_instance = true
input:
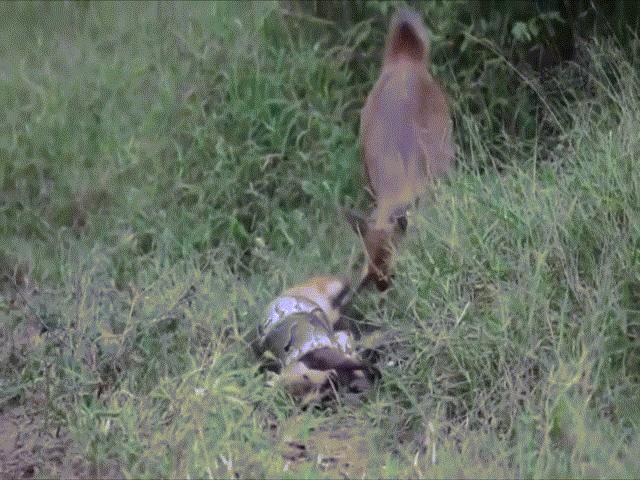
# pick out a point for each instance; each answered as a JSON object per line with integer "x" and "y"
{"x": 167, "y": 169}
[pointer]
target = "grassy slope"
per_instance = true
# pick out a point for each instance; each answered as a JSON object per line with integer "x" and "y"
{"x": 165, "y": 171}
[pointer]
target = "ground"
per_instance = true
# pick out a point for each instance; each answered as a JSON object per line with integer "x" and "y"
{"x": 168, "y": 171}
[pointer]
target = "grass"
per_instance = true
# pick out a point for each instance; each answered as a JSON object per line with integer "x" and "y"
{"x": 168, "y": 169}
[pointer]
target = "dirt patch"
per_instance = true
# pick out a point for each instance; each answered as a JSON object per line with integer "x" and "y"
{"x": 33, "y": 447}
{"x": 340, "y": 446}
{"x": 31, "y": 443}
{"x": 29, "y": 449}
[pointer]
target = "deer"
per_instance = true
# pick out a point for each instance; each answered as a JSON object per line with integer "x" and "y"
{"x": 301, "y": 341}
{"x": 405, "y": 142}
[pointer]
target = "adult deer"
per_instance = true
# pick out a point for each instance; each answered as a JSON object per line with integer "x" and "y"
{"x": 405, "y": 129}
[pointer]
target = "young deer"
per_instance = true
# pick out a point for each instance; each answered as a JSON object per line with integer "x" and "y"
{"x": 405, "y": 129}
{"x": 299, "y": 333}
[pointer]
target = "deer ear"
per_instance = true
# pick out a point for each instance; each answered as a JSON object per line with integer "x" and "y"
{"x": 364, "y": 282}
{"x": 402, "y": 223}
{"x": 357, "y": 220}
{"x": 343, "y": 297}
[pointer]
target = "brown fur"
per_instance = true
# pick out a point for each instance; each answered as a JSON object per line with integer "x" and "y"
{"x": 405, "y": 129}
{"x": 379, "y": 242}
{"x": 330, "y": 293}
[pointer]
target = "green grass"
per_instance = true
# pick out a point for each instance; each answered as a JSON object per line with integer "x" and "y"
{"x": 165, "y": 170}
